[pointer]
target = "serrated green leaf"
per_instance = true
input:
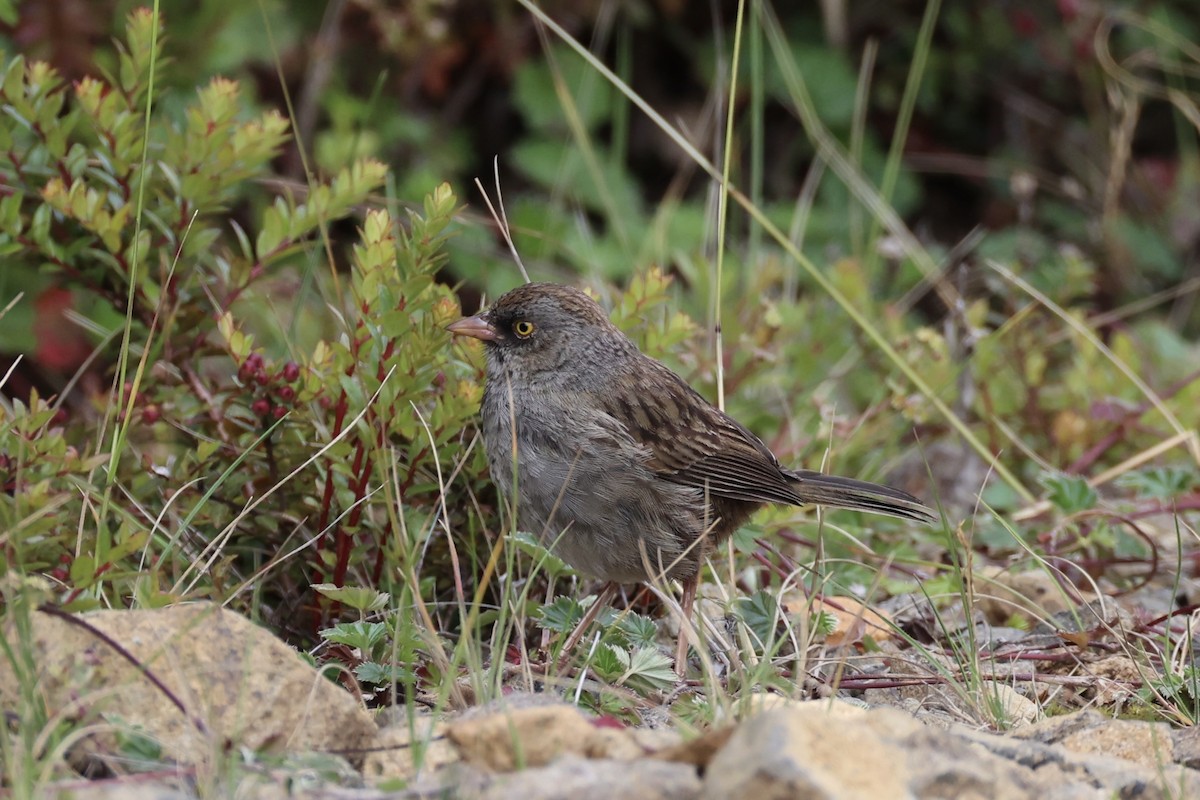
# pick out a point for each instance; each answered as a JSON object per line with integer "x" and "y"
{"x": 649, "y": 667}
{"x": 545, "y": 560}
{"x": 365, "y": 636}
{"x": 1069, "y": 493}
{"x": 377, "y": 674}
{"x": 561, "y": 615}
{"x": 360, "y": 598}
{"x": 1160, "y": 482}
{"x": 638, "y": 629}
{"x": 760, "y": 613}
{"x": 609, "y": 662}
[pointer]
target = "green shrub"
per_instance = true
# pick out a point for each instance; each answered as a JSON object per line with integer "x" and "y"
{"x": 215, "y": 460}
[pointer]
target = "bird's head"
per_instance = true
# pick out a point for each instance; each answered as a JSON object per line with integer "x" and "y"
{"x": 543, "y": 328}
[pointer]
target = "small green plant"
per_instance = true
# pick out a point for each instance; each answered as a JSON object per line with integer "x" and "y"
{"x": 1176, "y": 692}
{"x": 130, "y": 208}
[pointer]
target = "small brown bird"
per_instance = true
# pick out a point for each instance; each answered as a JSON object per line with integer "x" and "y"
{"x": 625, "y": 470}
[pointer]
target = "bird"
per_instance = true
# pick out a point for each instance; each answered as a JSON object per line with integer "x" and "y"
{"x": 626, "y": 472}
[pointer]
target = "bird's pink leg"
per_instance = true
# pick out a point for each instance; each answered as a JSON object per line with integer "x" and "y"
{"x": 606, "y": 596}
{"x": 688, "y": 600}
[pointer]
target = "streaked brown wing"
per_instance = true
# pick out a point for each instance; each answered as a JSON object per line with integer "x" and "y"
{"x": 693, "y": 443}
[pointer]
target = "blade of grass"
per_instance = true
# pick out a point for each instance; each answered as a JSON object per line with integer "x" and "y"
{"x": 758, "y": 104}
{"x": 858, "y": 129}
{"x": 120, "y": 429}
{"x": 912, "y": 87}
{"x": 587, "y": 150}
{"x": 723, "y": 196}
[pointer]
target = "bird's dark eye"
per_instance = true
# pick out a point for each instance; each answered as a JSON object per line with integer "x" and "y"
{"x": 523, "y": 328}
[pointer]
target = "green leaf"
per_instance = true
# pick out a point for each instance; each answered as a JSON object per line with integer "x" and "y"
{"x": 365, "y": 636}
{"x": 205, "y": 448}
{"x": 831, "y": 82}
{"x": 759, "y": 612}
{"x": 545, "y": 560}
{"x": 274, "y": 228}
{"x": 1001, "y": 496}
{"x": 1162, "y": 483}
{"x": 562, "y": 615}
{"x": 824, "y": 623}
{"x": 360, "y": 598}
{"x": 378, "y": 674}
{"x": 537, "y": 98}
{"x": 137, "y": 747}
{"x": 1069, "y": 493}
{"x": 649, "y": 668}
{"x": 555, "y": 165}
{"x": 1149, "y": 244}
{"x": 638, "y": 629}
{"x": 609, "y": 662}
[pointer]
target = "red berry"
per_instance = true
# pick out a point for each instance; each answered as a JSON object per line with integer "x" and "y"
{"x": 65, "y": 558}
{"x": 59, "y": 574}
{"x": 60, "y": 417}
{"x": 287, "y": 394}
{"x": 261, "y": 406}
{"x": 151, "y": 414}
{"x": 291, "y": 371}
{"x": 1025, "y": 23}
{"x": 279, "y": 412}
{"x": 254, "y": 361}
{"x": 439, "y": 380}
{"x": 261, "y": 378}
{"x": 1084, "y": 48}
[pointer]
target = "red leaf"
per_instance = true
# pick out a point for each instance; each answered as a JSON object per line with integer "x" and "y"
{"x": 61, "y": 345}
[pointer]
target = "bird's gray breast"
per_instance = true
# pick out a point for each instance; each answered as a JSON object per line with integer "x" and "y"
{"x": 580, "y": 482}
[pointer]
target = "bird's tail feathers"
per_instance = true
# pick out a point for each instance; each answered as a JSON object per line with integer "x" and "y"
{"x": 838, "y": 492}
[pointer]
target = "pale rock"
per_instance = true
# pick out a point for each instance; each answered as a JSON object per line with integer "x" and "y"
{"x": 114, "y": 789}
{"x": 884, "y": 754}
{"x": 575, "y": 778}
{"x": 1186, "y": 745}
{"x": 796, "y": 753}
{"x": 518, "y": 738}
{"x": 1013, "y": 710}
{"x": 404, "y": 750}
{"x": 239, "y": 686}
{"x": 1149, "y": 744}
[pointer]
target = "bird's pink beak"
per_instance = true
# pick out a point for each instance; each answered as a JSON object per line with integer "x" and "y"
{"x": 475, "y": 326}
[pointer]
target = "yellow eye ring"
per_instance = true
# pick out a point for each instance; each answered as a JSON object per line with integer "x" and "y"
{"x": 523, "y": 328}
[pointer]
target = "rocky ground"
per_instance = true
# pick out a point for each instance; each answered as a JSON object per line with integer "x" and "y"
{"x": 231, "y": 711}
